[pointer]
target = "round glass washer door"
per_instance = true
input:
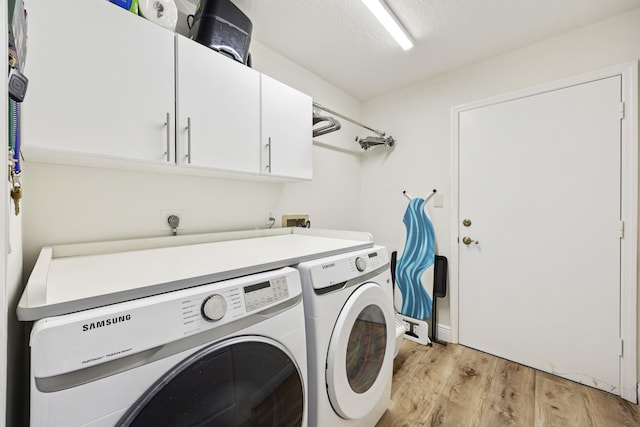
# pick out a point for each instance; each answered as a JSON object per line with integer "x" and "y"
{"x": 243, "y": 381}
{"x": 360, "y": 356}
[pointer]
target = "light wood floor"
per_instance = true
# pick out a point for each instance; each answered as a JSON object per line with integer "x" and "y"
{"x": 456, "y": 386}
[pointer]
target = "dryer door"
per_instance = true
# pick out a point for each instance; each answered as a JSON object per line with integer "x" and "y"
{"x": 360, "y": 357}
{"x": 238, "y": 382}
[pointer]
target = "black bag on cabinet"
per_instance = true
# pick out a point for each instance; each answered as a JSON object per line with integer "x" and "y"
{"x": 220, "y": 25}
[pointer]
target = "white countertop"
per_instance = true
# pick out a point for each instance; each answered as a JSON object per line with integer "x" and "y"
{"x": 89, "y": 278}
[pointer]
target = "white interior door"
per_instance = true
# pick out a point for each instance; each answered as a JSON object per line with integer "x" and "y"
{"x": 540, "y": 183}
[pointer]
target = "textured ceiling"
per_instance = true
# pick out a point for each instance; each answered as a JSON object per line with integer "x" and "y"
{"x": 340, "y": 41}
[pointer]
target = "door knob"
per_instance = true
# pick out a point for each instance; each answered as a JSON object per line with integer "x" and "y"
{"x": 468, "y": 240}
{"x": 466, "y": 223}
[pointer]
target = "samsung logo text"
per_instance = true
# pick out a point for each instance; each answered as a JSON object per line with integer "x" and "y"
{"x": 105, "y": 322}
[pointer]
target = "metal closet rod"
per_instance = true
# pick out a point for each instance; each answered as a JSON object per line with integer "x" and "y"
{"x": 355, "y": 122}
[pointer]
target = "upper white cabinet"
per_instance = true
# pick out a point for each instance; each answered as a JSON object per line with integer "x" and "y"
{"x": 107, "y": 87}
{"x": 286, "y": 130}
{"x": 101, "y": 82}
{"x": 218, "y": 110}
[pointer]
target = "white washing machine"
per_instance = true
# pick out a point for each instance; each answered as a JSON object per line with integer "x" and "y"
{"x": 351, "y": 334}
{"x": 229, "y": 353}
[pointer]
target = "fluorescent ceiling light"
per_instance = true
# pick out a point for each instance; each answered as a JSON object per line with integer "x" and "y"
{"x": 390, "y": 22}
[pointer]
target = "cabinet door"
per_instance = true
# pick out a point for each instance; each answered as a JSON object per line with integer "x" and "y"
{"x": 101, "y": 81}
{"x": 286, "y": 130}
{"x": 218, "y": 108}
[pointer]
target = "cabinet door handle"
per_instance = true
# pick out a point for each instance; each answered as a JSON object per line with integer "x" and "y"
{"x": 168, "y": 124}
{"x": 269, "y": 162}
{"x": 188, "y": 140}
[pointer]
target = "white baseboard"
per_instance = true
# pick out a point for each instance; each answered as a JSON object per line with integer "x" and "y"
{"x": 444, "y": 333}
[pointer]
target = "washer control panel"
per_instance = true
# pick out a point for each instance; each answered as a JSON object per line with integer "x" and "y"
{"x": 265, "y": 293}
{"x": 214, "y": 307}
{"x": 224, "y": 303}
{"x": 118, "y": 330}
{"x": 255, "y": 296}
{"x": 219, "y": 303}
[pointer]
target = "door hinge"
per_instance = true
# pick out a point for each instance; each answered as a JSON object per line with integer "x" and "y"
{"x": 621, "y": 110}
{"x": 621, "y": 229}
{"x": 621, "y": 348}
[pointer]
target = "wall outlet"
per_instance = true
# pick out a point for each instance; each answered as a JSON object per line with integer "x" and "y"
{"x": 269, "y": 217}
{"x": 164, "y": 218}
{"x": 295, "y": 220}
{"x": 438, "y": 200}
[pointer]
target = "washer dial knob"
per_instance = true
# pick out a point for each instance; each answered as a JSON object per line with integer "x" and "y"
{"x": 361, "y": 264}
{"x": 214, "y": 307}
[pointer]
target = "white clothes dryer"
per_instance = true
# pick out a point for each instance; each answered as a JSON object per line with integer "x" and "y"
{"x": 229, "y": 353}
{"x": 350, "y": 322}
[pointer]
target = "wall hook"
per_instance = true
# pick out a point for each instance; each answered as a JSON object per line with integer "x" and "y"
{"x": 405, "y": 194}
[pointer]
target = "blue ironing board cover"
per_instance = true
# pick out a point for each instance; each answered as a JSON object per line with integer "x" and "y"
{"x": 417, "y": 257}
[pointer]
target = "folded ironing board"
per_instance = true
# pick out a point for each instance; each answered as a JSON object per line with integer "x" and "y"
{"x": 414, "y": 272}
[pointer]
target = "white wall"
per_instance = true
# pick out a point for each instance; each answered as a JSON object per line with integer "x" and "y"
{"x": 420, "y": 118}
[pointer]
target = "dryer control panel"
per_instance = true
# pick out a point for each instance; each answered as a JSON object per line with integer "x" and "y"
{"x": 331, "y": 271}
